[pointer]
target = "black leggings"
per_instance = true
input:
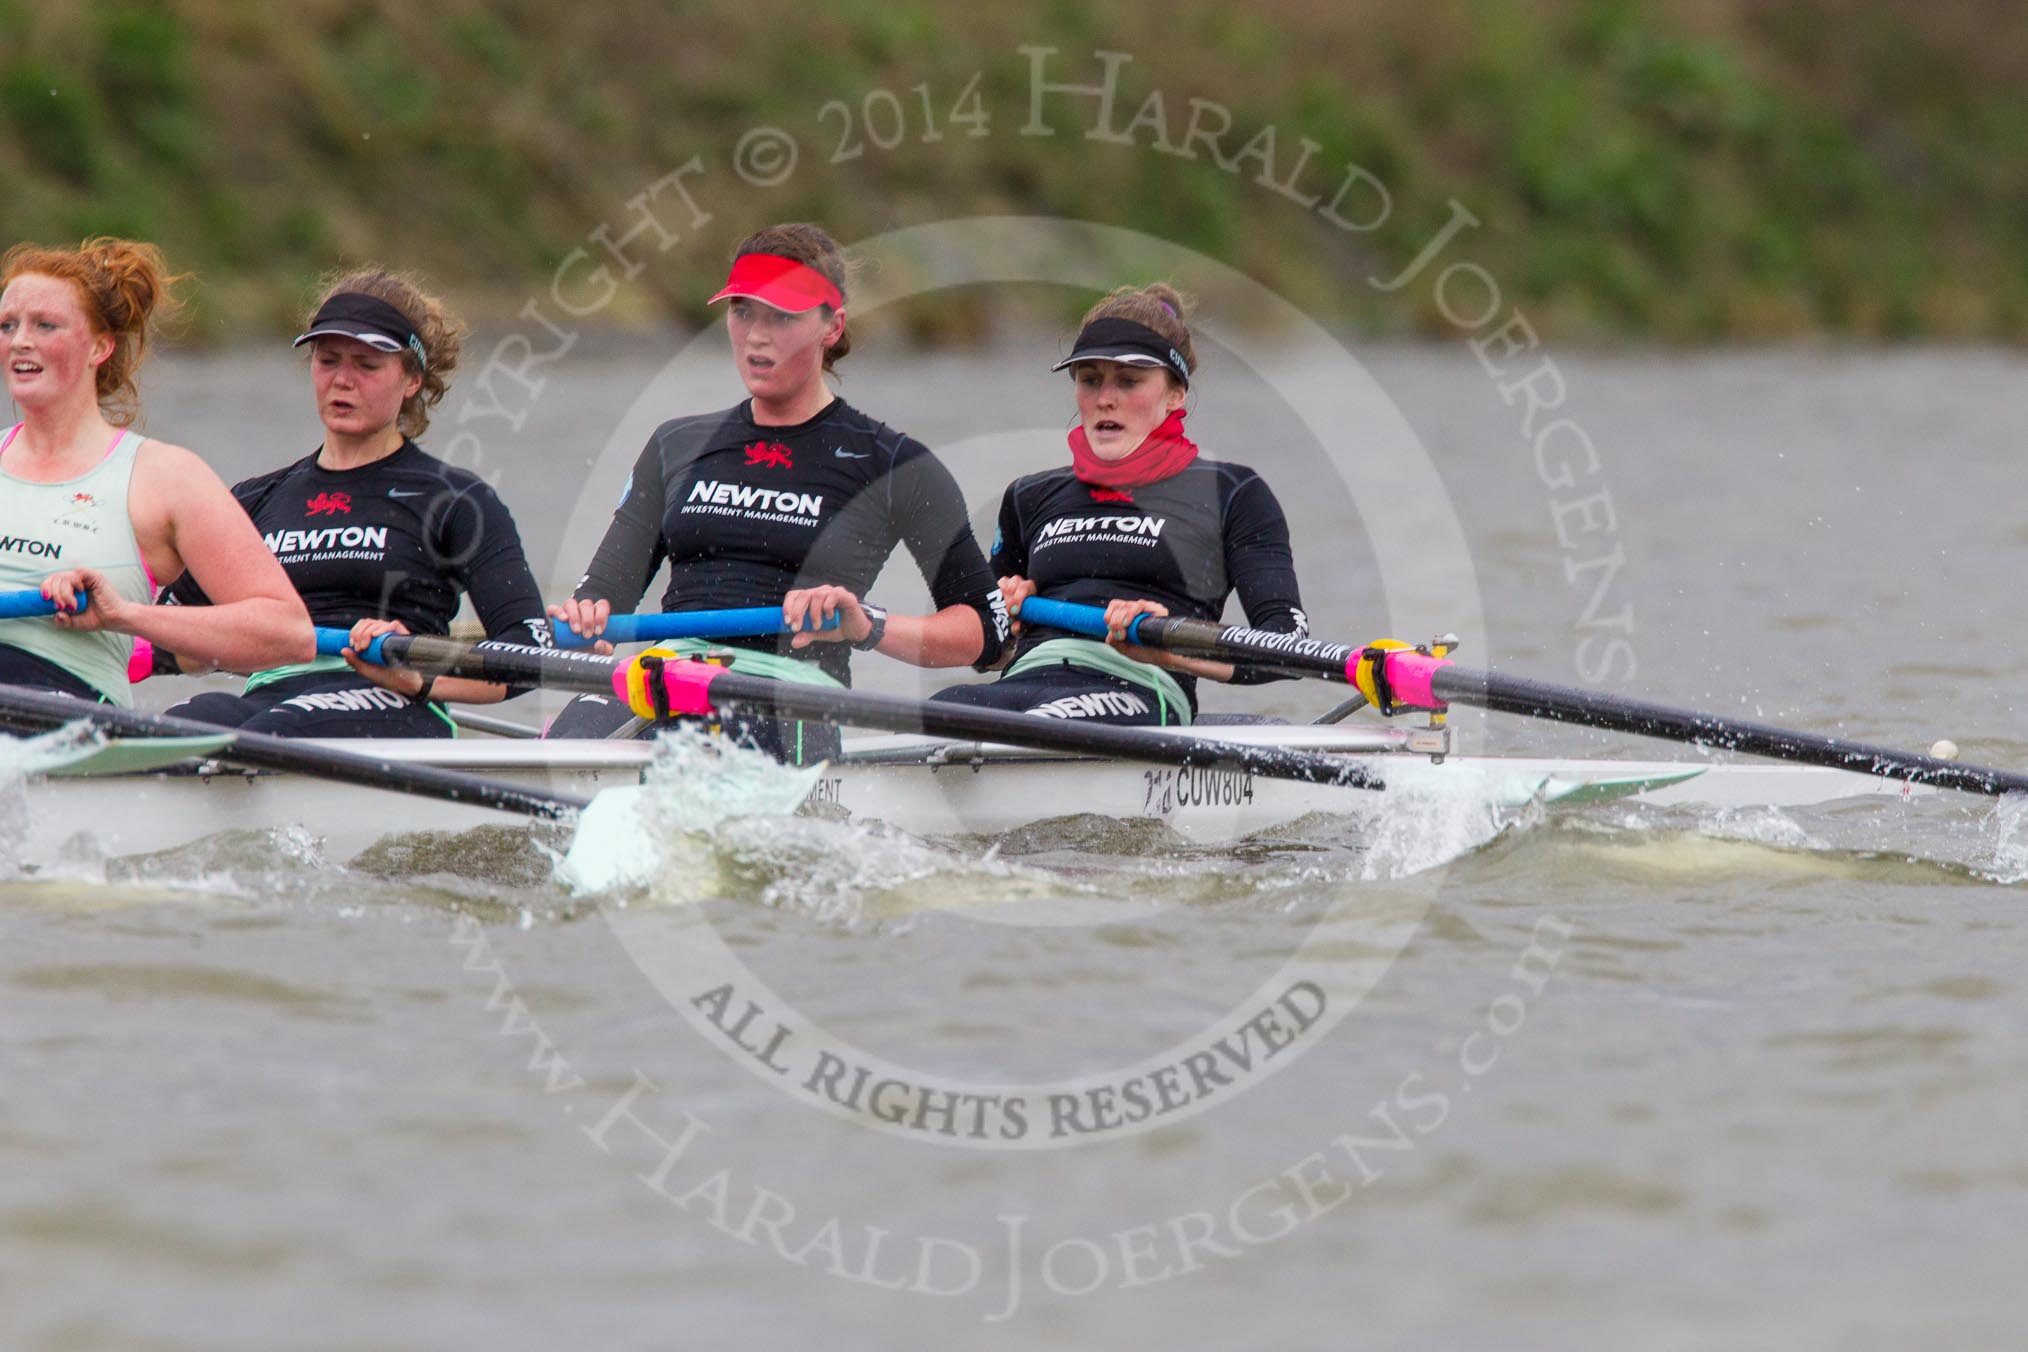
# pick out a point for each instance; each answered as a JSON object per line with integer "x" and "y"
{"x": 1065, "y": 691}
{"x": 26, "y": 671}
{"x": 319, "y": 704}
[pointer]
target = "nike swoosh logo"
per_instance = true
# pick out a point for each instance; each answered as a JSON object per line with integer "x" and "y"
{"x": 397, "y": 493}
{"x": 844, "y": 454}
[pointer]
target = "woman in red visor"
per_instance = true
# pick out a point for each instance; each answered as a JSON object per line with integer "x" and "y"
{"x": 791, "y": 497}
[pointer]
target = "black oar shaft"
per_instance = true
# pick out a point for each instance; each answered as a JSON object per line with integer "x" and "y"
{"x": 785, "y": 699}
{"x": 1563, "y": 704}
{"x": 1290, "y": 654}
{"x": 1590, "y": 708}
{"x": 788, "y": 699}
{"x": 36, "y": 711}
{"x": 1295, "y": 654}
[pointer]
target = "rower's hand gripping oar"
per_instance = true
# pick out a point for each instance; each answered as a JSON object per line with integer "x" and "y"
{"x": 30, "y": 604}
{"x": 1393, "y": 675}
{"x": 657, "y": 687}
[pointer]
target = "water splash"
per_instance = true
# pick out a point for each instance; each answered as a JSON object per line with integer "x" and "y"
{"x": 715, "y": 821}
{"x": 2010, "y": 843}
{"x": 21, "y": 758}
{"x": 719, "y": 822}
{"x": 1427, "y": 825}
{"x": 636, "y": 839}
{"x": 1761, "y": 826}
{"x": 1942, "y": 838}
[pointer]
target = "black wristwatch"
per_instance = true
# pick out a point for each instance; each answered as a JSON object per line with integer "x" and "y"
{"x": 877, "y": 615}
{"x": 422, "y": 696}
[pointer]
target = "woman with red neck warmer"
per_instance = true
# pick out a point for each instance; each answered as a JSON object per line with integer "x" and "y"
{"x": 1138, "y": 523}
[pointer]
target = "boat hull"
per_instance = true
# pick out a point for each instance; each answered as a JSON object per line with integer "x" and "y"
{"x": 78, "y": 810}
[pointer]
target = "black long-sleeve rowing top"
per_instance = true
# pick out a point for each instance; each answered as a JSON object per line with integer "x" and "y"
{"x": 744, "y": 514}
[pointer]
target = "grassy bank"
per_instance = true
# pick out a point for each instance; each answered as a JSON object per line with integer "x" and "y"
{"x": 1682, "y": 169}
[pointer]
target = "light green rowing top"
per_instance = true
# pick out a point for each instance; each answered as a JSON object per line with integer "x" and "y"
{"x": 78, "y": 523}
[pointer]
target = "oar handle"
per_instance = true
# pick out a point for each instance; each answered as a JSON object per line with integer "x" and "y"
{"x": 745, "y": 622}
{"x": 333, "y": 642}
{"x": 30, "y": 604}
{"x": 1293, "y": 654}
{"x": 19, "y": 605}
{"x": 1073, "y": 618}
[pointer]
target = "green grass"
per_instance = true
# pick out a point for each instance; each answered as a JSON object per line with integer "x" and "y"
{"x": 1689, "y": 170}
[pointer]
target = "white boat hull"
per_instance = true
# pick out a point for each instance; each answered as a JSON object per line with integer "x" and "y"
{"x": 918, "y": 785}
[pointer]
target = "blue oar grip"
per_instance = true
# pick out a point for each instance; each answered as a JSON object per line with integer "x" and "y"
{"x": 18, "y": 605}
{"x": 1073, "y": 618}
{"x": 743, "y": 623}
{"x": 747, "y": 622}
{"x": 333, "y": 642}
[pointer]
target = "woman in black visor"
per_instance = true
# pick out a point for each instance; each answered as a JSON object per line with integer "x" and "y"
{"x": 1137, "y": 523}
{"x": 377, "y": 535}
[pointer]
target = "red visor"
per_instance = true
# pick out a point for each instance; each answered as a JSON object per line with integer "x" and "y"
{"x": 781, "y": 282}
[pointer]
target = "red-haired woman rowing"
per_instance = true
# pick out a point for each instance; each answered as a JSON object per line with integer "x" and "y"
{"x": 89, "y": 506}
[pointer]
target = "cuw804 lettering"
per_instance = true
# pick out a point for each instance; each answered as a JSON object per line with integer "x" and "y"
{"x": 1166, "y": 790}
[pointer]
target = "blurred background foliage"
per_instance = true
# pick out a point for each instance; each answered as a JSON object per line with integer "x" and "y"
{"x": 1675, "y": 170}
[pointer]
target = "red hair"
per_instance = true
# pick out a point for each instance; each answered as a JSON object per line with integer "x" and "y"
{"x": 123, "y": 285}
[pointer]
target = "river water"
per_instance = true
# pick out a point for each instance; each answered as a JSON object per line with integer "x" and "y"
{"x": 1603, "y": 1077}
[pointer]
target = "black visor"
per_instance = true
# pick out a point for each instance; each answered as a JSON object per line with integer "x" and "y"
{"x": 1124, "y": 341}
{"x": 351, "y": 314}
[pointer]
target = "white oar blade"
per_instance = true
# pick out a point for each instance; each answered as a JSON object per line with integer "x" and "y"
{"x": 613, "y": 848}
{"x": 628, "y": 836}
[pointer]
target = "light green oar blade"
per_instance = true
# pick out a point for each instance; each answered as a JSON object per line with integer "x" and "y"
{"x": 1606, "y": 790}
{"x": 125, "y": 757}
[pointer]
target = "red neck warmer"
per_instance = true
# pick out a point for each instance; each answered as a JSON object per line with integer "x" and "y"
{"x": 1166, "y": 451}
